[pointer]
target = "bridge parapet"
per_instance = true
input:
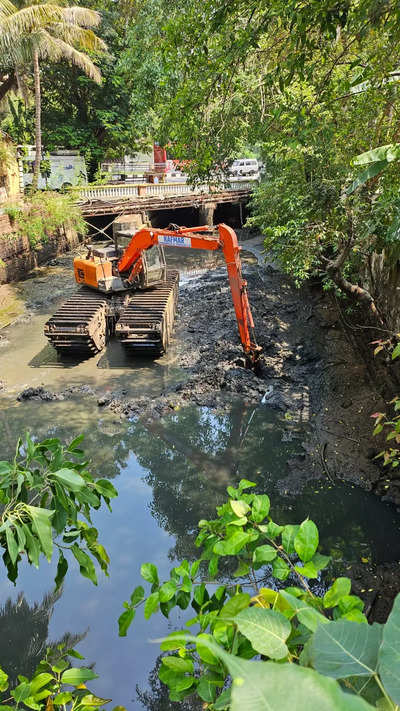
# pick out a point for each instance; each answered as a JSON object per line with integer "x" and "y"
{"x": 113, "y": 193}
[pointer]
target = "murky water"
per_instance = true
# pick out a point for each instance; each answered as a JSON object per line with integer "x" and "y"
{"x": 169, "y": 474}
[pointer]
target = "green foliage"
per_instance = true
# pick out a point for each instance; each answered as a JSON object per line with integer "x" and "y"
{"x": 317, "y": 652}
{"x": 42, "y": 493}
{"x": 18, "y": 122}
{"x": 384, "y": 422}
{"x": 43, "y": 213}
{"x": 50, "y": 686}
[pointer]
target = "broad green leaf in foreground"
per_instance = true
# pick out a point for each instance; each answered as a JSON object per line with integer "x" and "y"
{"x": 389, "y": 654}
{"x": 267, "y": 631}
{"x": 268, "y": 686}
{"x": 343, "y": 648}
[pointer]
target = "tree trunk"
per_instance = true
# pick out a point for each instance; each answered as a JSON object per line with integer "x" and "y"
{"x": 38, "y": 129}
{"x": 334, "y": 271}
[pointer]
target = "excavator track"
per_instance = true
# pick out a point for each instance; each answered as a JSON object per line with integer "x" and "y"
{"x": 80, "y": 326}
{"x": 145, "y": 324}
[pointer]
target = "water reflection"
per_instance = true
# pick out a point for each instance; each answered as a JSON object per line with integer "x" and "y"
{"x": 106, "y": 443}
{"x": 24, "y": 632}
{"x": 171, "y": 473}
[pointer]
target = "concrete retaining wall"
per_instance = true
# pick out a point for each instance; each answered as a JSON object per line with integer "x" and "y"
{"x": 17, "y": 257}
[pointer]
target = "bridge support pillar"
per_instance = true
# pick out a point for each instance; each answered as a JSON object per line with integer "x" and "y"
{"x": 206, "y": 213}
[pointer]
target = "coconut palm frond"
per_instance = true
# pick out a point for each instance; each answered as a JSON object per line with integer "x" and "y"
{"x": 80, "y": 37}
{"x": 28, "y": 19}
{"x": 82, "y": 16}
{"x": 56, "y": 49}
{"x": 6, "y": 8}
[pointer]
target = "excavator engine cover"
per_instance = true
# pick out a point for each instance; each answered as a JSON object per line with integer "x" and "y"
{"x": 90, "y": 273}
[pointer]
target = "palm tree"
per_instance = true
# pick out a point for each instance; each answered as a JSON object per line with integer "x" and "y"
{"x": 49, "y": 31}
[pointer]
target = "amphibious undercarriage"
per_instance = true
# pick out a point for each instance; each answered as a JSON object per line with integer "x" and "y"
{"x": 141, "y": 320}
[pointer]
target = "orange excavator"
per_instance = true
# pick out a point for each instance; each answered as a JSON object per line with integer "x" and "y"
{"x": 130, "y": 292}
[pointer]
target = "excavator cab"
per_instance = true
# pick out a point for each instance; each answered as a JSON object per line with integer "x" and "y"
{"x": 154, "y": 270}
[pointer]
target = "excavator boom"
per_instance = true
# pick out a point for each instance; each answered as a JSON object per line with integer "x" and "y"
{"x": 201, "y": 238}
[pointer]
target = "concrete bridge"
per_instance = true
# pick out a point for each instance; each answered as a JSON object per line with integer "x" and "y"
{"x": 147, "y": 197}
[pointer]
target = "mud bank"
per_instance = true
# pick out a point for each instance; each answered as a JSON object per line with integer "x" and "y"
{"x": 309, "y": 371}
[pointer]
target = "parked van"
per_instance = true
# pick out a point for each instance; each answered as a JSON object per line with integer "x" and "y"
{"x": 67, "y": 168}
{"x": 244, "y": 169}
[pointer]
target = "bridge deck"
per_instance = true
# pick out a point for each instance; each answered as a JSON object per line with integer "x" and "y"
{"x": 117, "y": 199}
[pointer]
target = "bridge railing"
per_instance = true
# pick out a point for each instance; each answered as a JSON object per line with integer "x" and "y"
{"x": 118, "y": 192}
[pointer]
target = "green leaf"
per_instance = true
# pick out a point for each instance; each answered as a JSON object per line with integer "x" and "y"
{"x": 388, "y": 152}
{"x": 239, "y": 508}
{"x": 21, "y": 692}
{"x": 223, "y": 701}
{"x": 267, "y": 631}
{"x": 264, "y": 554}
{"x": 271, "y": 686}
{"x": 105, "y": 488}
{"x": 3, "y": 680}
{"x": 280, "y": 569}
{"x": 73, "y": 653}
{"x": 63, "y": 698}
{"x": 207, "y": 689}
{"x": 69, "y": 478}
{"x": 258, "y": 686}
{"x": 273, "y": 530}
{"x": 86, "y": 566}
{"x": 235, "y": 604}
{"x": 39, "y": 681}
{"x": 125, "y": 620}
{"x": 343, "y": 648}
{"x": 93, "y": 701}
{"x": 76, "y": 676}
{"x": 389, "y": 654}
{"x": 32, "y": 545}
{"x": 148, "y": 571}
{"x": 41, "y": 524}
{"x": 396, "y": 352}
{"x": 151, "y": 605}
{"x": 245, "y": 484}
{"x": 306, "y": 541}
{"x": 289, "y": 533}
{"x": 213, "y": 567}
{"x": 260, "y": 507}
{"x": 178, "y": 664}
{"x": 204, "y": 651}
{"x": 234, "y": 544}
{"x": 12, "y": 545}
{"x": 368, "y": 173}
{"x": 307, "y": 615}
{"x": 313, "y": 567}
{"x": 62, "y": 568}
{"x": 75, "y": 442}
{"x": 340, "y": 587}
{"x": 137, "y": 595}
{"x": 350, "y": 602}
{"x": 167, "y": 591}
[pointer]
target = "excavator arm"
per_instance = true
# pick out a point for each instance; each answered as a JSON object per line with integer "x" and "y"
{"x": 193, "y": 237}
